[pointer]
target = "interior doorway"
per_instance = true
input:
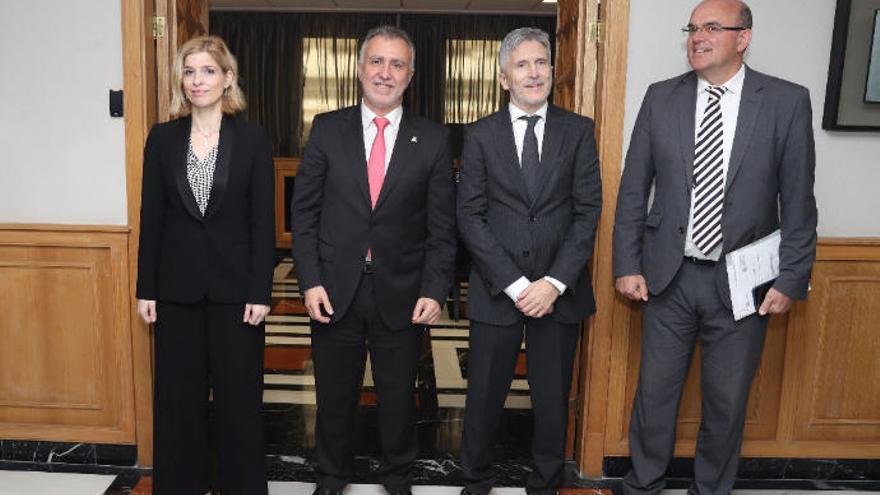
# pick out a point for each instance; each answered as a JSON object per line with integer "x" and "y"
{"x": 576, "y": 72}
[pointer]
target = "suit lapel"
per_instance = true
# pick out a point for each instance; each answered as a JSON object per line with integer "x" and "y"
{"x": 179, "y": 162}
{"x": 554, "y": 134}
{"x": 222, "y": 166}
{"x": 404, "y": 147}
{"x": 352, "y": 139}
{"x": 507, "y": 147}
{"x": 687, "y": 108}
{"x": 749, "y": 105}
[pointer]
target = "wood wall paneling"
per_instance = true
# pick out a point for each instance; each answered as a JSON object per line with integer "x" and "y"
{"x": 66, "y": 353}
{"x": 817, "y": 391}
{"x": 839, "y": 345}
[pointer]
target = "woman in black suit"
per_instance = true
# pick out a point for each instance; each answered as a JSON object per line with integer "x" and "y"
{"x": 205, "y": 277}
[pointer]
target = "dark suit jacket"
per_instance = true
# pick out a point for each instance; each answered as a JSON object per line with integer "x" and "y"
{"x": 411, "y": 233}
{"x": 769, "y": 182}
{"x": 509, "y": 235}
{"x": 227, "y": 256}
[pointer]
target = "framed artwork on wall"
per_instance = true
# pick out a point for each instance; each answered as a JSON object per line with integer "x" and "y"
{"x": 852, "y": 97}
{"x": 872, "y": 88}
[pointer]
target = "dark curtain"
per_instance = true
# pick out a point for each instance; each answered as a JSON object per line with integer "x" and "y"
{"x": 269, "y": 48}
{"x": 269, "y": 53}
{"x": 425, "y": 93}
{"x": 431, "y": 34}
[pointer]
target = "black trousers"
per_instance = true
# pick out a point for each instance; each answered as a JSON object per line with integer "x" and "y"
{"x": 550, "y": 348}
{"x": 339, "y": 352}
{"x": 197, "y": 347}
{"x": 690, "y": 309}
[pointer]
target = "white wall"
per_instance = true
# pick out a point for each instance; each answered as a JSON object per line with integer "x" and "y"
{"x": 791, "y": 40}
{"x": 62, "y": 157}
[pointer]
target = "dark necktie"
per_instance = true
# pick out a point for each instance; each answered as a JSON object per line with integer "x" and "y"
{"x": 709, "y": 175}
{"x": 530, "y": 159}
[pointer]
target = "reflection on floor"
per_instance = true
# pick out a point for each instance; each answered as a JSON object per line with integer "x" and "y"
{"x": 289, "y": 399}
{"x": 443, "y": 370}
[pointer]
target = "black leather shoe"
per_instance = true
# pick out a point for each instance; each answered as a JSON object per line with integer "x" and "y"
{"x": 319, "y": 490}
{"x": 401, "y": 492}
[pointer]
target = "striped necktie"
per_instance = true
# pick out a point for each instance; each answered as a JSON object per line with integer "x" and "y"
{"x": 709, "y": 175}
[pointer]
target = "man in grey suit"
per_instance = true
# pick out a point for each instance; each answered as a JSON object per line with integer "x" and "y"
{"x": 730, "y": 154}
{"x": 528, "y": 205}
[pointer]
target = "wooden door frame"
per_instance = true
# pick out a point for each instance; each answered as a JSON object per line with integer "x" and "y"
{"x": 612, "y": 313}
{"x": 139, "y": 86}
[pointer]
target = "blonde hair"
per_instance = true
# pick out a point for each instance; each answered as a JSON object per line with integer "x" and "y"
{"x": 233, "y": 100}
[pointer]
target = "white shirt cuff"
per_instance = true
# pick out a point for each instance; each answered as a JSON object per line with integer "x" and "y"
{"x": 515, "y": 288}
{"x": 556, "y": 283}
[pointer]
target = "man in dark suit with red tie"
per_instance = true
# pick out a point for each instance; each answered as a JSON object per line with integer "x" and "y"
{"x": 374, "y": 247}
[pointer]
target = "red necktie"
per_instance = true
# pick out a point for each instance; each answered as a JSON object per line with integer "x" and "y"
{"x": 376, "y": 162}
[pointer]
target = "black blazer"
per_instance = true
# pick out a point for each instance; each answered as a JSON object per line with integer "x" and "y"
{"x": 227, "y": 256}
{"x": 509, "y": 235}
{"x": 411, "y": 232}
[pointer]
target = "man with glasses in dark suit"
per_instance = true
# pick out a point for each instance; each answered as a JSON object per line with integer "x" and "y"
{"x": 729, "y": 152}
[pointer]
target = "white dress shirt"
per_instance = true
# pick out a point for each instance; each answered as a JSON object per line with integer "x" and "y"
{"x": 520, "y": 126}
{"x": 729, "y": 113}
{"x": 370, "y": 131}
{"x": 519, "y": 132}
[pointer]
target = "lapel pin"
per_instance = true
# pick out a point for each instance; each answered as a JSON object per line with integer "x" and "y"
{"x": 414, "y": 139}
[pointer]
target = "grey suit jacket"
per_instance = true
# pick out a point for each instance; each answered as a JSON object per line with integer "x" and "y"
{"x": 769, "y": 182}
{"x": 510, "y": 235}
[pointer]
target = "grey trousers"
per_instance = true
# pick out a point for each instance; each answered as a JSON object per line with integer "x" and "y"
{"x": 690, "y": 308}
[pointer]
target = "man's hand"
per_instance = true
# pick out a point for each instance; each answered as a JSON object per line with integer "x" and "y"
{"x": 426, "y": 312}
{"x": 316, "y": 299}
{"x": 254, "y": 314}
{"x": 147, "y": 309}
{"x": 775, "y": 303}
{"x": 633, "y": 287}
{"x": 537, "y": 299}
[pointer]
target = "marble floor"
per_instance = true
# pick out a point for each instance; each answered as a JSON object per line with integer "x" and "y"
{"x": 289, "y": 397}
{"x": 40, "y": 483}
{"x": 43, "y": 483}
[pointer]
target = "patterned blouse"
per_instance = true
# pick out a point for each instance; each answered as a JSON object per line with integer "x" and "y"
{"x": 200, "y": 173}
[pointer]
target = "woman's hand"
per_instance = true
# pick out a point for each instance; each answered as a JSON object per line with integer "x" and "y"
{"x": 254, "y": 314}
{"x": 147, "y": 309}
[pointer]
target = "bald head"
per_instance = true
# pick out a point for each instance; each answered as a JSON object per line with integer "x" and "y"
{"x": 744, "y": 13}
{"x": 717, "y": 54}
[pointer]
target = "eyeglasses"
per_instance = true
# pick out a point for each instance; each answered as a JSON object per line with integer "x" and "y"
{"x": 710, "y": 29}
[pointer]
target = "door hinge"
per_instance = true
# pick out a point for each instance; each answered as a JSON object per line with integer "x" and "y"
{"x": 158, "y": 27}
{"x": 595, "y": 31}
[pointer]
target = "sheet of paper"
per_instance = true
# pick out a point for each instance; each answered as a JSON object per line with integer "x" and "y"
{"x": 749, "y": 267}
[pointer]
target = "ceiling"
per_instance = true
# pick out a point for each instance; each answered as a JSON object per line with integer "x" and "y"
{"x": 462, "y": 6}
